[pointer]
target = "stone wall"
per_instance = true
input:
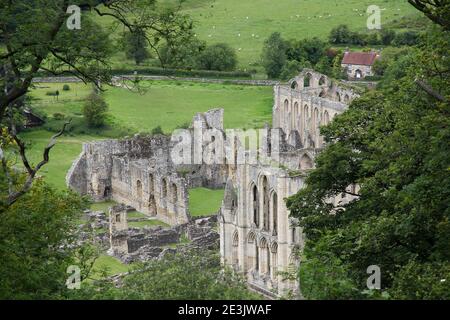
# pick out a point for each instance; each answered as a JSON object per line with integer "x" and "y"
{"x": 139, "y": 172}
{"x": 257, "y": 236}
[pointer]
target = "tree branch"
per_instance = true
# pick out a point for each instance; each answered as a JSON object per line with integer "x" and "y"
{"x": 15, "y": 195}
{"x": 428, "y": 89}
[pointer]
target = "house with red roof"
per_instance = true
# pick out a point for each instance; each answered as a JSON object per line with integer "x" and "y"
{"x": 358, "y": 65}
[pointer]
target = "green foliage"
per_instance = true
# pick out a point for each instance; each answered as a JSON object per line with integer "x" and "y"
{"x": 311, "y": 50}
{"x": 95, "y": 110}
{"x": 293, "y": 68}
{"x": 135, "y": 45}
{"x": 183, "y": 54}
{"x": 192, "y": 275}
{"x": 274, "y": 55}
{"x": 220, "y": 57}
{"x": 157, "y": 130}
{"x": 407, "y": 38}
{"x": 37, "y": 243}
{"x": 66, "y": 87}
{"x": 391, "y": 143}
{"x": 387, "y": 36}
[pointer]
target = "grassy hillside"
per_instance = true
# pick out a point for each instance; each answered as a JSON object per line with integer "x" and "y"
{"x": 245, "y": 24}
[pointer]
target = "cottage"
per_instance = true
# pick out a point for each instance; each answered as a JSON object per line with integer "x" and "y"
{"x": 358, "y": 65}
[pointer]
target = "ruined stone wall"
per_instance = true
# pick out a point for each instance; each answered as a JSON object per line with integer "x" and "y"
{"x": 140, "y": 172}
{"x": 257, "y": 236}
{"x": 300, "y": 110}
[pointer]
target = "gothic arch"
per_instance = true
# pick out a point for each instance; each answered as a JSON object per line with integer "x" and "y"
{"x": 174, "y": 193}
{"x": 326, "y": 118}
{"x": 274, "y": 213}
{"x": 253, "y": 253}
{"x": 286, "y": 106}
{"x": 139, "y": 189}
{"x": 296, "y": 117}
{"x": 274, "y": 260}
{"x": 346, "y": 98}
{"x": 322, "y": 81}
{"x": 266, "y": 202}
{"x": 307, "y": 80}
{"x": 164, "y": 188}
{"x": 315, "y": 122}
{"x": 305, "y": 162}
{"x": 151, "y": 183}
{"x": 305, "y": 116}
{"x": 254, "y": 197}
{"x": 294, "y": 85}
{"x": 265, "y": 256}
{"x": 235, "y": 249}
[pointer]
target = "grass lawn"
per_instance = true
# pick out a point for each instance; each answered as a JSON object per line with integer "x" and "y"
{"x": 61, "y": 156}
{"x": 103, "y": 206}
{"x": 136, "y": 215}
{"x": 148, "y": 223}
{"x": 170, "y": 104}
{"x": 111, "y": 265}
{"x": 245, "y": 24}
{"x": 204, "y": 201}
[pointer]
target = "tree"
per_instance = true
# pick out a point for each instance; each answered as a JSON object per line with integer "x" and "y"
{"x": 311, "y": 50}
{"x": 135, "y": 46}
{"x": 340, "y": 35}
{"x": 220, "y": 57}
{"x": 274, "y": 55}
{"x": 190, "y": 275}
{"x": 436, "y": 10}
{"x": 389, "y": 143}
{"x": 387, "y": 36}
{"x": 293, "y": 68}
{"x": 182, "y": 54}
{"x": 94, "y": 110}
{"x": 38, "y": 243}
{"x": 36, "y": 38}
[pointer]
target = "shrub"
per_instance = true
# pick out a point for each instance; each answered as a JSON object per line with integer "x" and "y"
{"x": 59, "y": 116}
{"x": 220, "y": 57}
{"x": 408, "y": 38}
{"x": 274, "y": 55}
{"x": 66, "y": 87}
{"x": 157, "y": 130}
{"x": 94, "y": 110}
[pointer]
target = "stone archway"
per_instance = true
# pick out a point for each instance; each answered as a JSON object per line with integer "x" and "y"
{"x": 235, "y": 250}
{"x": 305, "y": 162}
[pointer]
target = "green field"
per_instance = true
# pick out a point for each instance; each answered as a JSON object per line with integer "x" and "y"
{"x": 245, "y": 24}
{"x": 203, "y": 201}
{"x": 147, "y": 223}
{"x": 110, "y": 265}
{"x": 254, "y": 21}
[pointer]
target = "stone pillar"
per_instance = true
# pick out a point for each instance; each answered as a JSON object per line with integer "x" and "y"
{"x": 118, "y": 227}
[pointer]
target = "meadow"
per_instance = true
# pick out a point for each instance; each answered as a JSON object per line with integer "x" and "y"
{"x": 245, "y": 24}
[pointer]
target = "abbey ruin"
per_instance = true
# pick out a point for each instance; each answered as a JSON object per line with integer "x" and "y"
{"x": 257, "y": 237}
